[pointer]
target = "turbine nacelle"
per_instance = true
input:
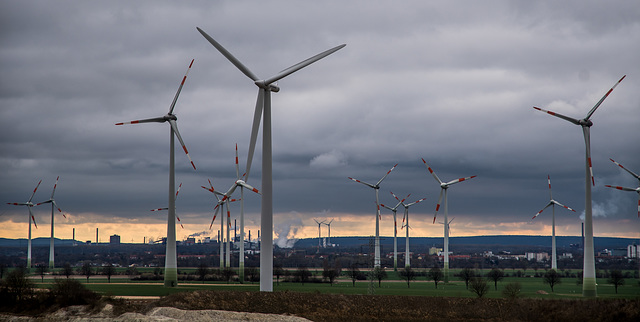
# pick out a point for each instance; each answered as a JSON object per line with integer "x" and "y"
{"x": 270, "y": 87}
{"x": 170, "y": 117}
{"x": 587, "y": 123}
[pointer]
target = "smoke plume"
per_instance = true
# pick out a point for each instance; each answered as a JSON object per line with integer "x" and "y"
{"x": 287, "y": 229}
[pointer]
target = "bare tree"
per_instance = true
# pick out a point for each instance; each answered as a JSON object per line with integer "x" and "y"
{"x": 408, "y": 275}
{"x": 616, "y": 278}
{"x": 379, "y": 273}
{"x": 86, "y": 270}
{"x": 108, "y": 270}
{"x": 436, "y": 275}
{"x": 512, "y": 290}
{"x": 42, "y": 270}
{"x": 353, "y": 273}
{"x": 496, "y": 275}
{"x": 202, "y": 271}
{"x": 466, "y": 274}
{"x": 479, "y": 286}
{"x": 67, "y": 270}
{"x": 278, "y": 271}
{"x": 552, "y": 278}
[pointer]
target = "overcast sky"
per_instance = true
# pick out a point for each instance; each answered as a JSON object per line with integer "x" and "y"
{"x": 451, "y": 82}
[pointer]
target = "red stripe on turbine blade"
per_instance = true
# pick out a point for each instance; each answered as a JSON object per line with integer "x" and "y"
{"x": 134, "y": 122}
{"x": 193, "y": 165}
{"x": 191, "y": 63}
{"x": 184, "y": 79}
{"x": 119, "y": 123}
{"x": 437, "y": 207}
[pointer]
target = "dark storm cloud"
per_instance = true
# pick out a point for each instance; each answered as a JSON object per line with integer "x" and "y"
{"x": 451, "y": 83}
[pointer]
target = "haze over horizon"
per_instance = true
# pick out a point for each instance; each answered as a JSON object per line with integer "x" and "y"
{"x": 453, "y": 83}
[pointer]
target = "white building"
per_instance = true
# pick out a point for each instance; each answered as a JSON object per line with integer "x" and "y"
{"x": 633, "y": 251}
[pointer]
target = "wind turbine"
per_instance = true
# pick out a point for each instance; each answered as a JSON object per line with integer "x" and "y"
{"x": 29, "y": 204}
{"x": 226, "y": 198}
{"x": 589, "y": 269}
{"x": 628, "y": 189}
{"x": 319, "y": 237}
{"x": 444, "y": 187}
{"x": 329, "y": 232}
{"x": 376, "y": 187}
{"x": 552, "y": 203}
{"x": 171, "y": 264}
{"x": 166, "y": 208}
{"x": 407, "y": 257}
{"x": 263, "y": 106}
{"x": 395, "y": 232}
{"x": 221, "y": 232}
{"x": 54, "y": 206}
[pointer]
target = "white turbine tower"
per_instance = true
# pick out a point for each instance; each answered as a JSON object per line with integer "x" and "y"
{"x": 407, "y": 254}
{"x": 628, "y": 189}
{"x": 166, "y": 208}
{"x": 29, "y": 204}
{"x": 444, "y": 187}
{"x": 376, "y": 187}
{"x": 263, "y": 106}
{"x": 552, "y": 203}
{"x": 54, "y": 206}
{"x": 171, "y": 263}
{"x": 329, "y": 232}
{"x": 589, "y": 269}
{"x": 395, "y": 232}
{"x": 319, "y": 236}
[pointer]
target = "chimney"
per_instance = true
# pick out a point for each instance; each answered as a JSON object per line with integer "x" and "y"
{"x": 74, "y": 235}
{"x": 144, "y": 240}
{"x": 97, "y": 240}
{"x": 235, "y": 230}
{"x": 219, "y": 236}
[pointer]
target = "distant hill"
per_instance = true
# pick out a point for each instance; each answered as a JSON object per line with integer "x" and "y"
{"x": 500, "y": 240}
{"x": 35, "y": 242}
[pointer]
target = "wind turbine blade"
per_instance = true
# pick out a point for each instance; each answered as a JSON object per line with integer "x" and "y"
{"x": 549, "y": 180}
{"x": 539, "y": 212}
{"x": 364, "y": 183}
{"x": 602, "y": 99}
{"x": 175, "y": 98}
{"x": 587, "y": 140}
{"x": 229, "y": 56}
{"x": 432, "y": 173}
{"x": 303, "y": 64}
{"x": 32, "y": 218}
{"x": 34, "y": 190}
{"x": 438, "y": 205}
{"x": 566, "y": 118}
{"x": 59, "y": 210}
{"x": 179, "y": 221}
{"x": 459, "y": 180}
{"x": 54, "y": 187}
{"x": 563, "y": 206}
{"x": 379, "y": 182}
{"x": 621, "y": 188}
{"x": 174, "y": 126}
{"x": 237, "y": 167}
{"x": 151, "y": 120}
{"x": 215, "y": 214}
{"x": 244, "y": 184}
{"x": 177, "y": 192}
{"x": 413, "y": 203}
{"x": 257, "y": 116}
{"x": 625, "y": 169}
{"x": 158, "y": 209}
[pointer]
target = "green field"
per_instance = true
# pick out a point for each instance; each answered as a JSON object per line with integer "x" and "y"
{"x": 393, "y": 285}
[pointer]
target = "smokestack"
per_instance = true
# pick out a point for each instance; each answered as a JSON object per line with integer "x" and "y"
{"x": 144, "y": 240}
{"x": 74, "y": 235}
{"x": 249, "y": 236}
{"x": 235, "y": 230}
{"x": 218, "y": 235}
{"x": 258, "y": 238}
{"x": 97, "y": 240}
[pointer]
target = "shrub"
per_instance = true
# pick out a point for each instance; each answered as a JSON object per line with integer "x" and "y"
{"x": 67, "y": 292}
{"x": 478, "y": 285}
{"x": 512, "y": 290}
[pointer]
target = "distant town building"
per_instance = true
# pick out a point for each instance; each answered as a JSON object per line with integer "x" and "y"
{"x": 434, "y": 250}
{"x": 537, "y": 256}
{"x": 633, "y": 251}
{"x": 114, "y": 240}
{"x": 190, "y": 241}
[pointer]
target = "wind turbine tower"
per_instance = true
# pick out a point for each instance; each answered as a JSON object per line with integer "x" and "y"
{"x": 407, "y": 257}
{"x": 263, "y": 107}
{"x": 552, "y": 203}
{"x": 54, "y": 206}
{"x": 589, "y": 268}
{"x": 319, "y": 236}
{"x": 171, "y": 260}
{"x": 376, "y": 187}
{"x": 444, "y": 187}
{"x": 29, "y": 204}
{"x": 395, "y": 233}
{"x": 329, "y": 232}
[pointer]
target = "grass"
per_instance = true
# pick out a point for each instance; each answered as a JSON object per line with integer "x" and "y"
{"x": 568, "y": 289}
